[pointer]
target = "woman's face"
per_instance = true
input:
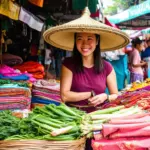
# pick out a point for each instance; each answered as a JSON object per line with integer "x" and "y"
{"x": 86, "y": 43}
{"x": 140, "y": 47}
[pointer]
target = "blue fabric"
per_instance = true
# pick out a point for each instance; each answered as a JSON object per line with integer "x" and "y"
{"x": 19, "y": 77}
{"x": 43, "y": 101}
{"x": 121, "y": 68}
{"x": 146, "y": 53}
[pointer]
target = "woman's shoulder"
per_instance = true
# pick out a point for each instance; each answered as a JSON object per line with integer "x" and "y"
{"x": 68, "y": 62}
{"x": 106, "y": 63}
{"x": 107, "y": 67}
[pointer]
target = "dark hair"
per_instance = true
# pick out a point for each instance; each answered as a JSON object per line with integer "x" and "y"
{"x": 98, "y": 61}
{"x": 136, "y": 41}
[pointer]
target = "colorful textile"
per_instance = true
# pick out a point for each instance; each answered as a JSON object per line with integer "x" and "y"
{"x": 122, "y": 144}
{"x": 14, "y": 91}
{"x": 18, "y": 77}
{"x": 31, "y": 20}
{"x": 36, "y": 69}
{"x": 9, "y": 9}
{"x": 47, "y": 95}
{"x": 143, "y": 132}
{"x": 112, "y": 128}
{"x": 46, "y": 92}
{"x": 39, "y": 100}
{"x": 37, "y": 2}
{"x": 10, "y": 73}
{"x": 136, "y": 77}
{"x": 15, "y": 102}
{"x": 47, "y": 86}
{"x": 9, "y": 59}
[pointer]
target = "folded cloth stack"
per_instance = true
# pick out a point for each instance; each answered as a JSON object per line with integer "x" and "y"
{"x": 46, "y": 92}
{"x": 14, "y": 95}
{"x": 128, "y": 133}
{"x": 129, "y": 99}
{"x": 36, "y": 69}
{"x": 10, "y": 60}
{"x": 7, "y": 72}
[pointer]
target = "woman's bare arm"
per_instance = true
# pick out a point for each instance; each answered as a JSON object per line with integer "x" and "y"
{"x": 65, "y": 86}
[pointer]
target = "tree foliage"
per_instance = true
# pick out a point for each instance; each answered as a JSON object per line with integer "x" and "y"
{"x": 120, "y": 5}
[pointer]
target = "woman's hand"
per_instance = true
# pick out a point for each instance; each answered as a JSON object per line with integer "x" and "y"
{"x": 98, "y": 99}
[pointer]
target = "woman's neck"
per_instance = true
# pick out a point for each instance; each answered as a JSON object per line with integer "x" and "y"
{"x": 88, "y": 61}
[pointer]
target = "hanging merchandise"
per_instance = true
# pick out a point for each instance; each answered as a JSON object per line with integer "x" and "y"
{"x": 30, "y": 19}
{"x": 37, "y": 2}
{"x": 9, "y": 9}
{"x": 24, "y": 31}
{"x": 41, "y": 45}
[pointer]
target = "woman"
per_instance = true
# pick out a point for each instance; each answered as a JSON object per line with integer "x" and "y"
{"x": 86, "y": 71}
{"x": 135, "y": 63}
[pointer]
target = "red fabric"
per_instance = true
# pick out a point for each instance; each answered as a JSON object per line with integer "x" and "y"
{"x": 110, "y": 24}
{"x": 111, "y": 128}
{"x": 96, "y": 14}
{"x": 36, "y": 69}
{"x": 122, "y": 144}
{"x": 135, "y": 133}
{"x": 130, "y": 121}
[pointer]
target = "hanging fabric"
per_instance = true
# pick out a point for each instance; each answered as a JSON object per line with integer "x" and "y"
{"x": 9, "y": 9}
{"x": 31, "y": 20}
{"x": 37, "y": 2}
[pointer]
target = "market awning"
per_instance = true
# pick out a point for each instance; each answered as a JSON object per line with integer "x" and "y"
{"x": 131, "y": 13}
{"x": 146, "y": 31}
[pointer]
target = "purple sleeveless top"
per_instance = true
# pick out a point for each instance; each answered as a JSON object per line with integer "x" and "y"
{"x": 87, "y": 81}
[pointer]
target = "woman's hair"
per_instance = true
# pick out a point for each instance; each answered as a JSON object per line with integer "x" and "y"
{"x": 98, "y": 61}
{"x": 136, "y": 41}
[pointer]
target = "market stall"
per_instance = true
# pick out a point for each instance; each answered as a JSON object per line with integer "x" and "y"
{"x": 120, "y": 124}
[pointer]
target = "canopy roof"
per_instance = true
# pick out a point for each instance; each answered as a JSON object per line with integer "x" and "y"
{"x": 135, "y": 16}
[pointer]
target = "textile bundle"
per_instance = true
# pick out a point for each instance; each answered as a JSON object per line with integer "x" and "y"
{"x": 10, "y": 73}
{"x": 127, "y": 133}
{"x": 10, "y": 60}
{"x": 46, "y": 92}
{"x": 14, "y": 95}
{"x": 34, "y": 68}
{"x": 128, "y": 99}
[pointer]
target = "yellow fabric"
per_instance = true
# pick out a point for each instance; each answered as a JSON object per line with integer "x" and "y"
{"x": 2, "y": 36}
{"x": 9, "y": 9}
{"x": 37, "y": 2}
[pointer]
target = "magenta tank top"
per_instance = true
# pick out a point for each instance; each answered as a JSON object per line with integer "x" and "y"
{"x": 87, "y": 81}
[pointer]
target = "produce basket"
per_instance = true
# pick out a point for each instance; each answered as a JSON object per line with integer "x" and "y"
{"x": 43, "y": 145}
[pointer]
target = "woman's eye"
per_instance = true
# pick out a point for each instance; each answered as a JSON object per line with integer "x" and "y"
{"x": 89, "y": 38}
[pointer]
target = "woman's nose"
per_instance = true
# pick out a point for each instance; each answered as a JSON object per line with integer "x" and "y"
{"x": 84, "y": 42}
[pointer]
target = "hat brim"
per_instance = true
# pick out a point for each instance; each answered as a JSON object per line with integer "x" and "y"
{"x": 62, "y": 36}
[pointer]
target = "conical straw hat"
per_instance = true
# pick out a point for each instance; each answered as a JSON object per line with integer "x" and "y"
{"x": 62, "y": 36}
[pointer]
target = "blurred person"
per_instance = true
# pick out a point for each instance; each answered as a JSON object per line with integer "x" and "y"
{"x": 135, "y": 63}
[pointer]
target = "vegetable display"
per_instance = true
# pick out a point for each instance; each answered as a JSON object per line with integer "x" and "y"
{"x": 58, "y": 123}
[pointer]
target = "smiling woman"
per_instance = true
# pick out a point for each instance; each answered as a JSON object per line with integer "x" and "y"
{"x": 86, "y": 75}
{"x": 86, "y": 71}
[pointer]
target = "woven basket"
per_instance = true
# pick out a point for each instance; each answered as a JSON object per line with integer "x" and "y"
{"x": 43, "y": 145}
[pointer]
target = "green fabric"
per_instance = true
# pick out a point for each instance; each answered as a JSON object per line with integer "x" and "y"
{"x": 131, "y": 13}
{"x": 81, "y": 4}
